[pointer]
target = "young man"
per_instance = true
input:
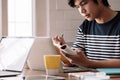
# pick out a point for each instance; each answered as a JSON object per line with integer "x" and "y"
{"x": 98, "y": 37}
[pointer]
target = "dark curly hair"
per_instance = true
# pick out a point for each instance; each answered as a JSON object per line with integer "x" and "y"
{"x": 105, "y": 3}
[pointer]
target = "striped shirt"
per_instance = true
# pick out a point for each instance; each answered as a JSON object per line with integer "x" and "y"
{"x": 99, "y": 41}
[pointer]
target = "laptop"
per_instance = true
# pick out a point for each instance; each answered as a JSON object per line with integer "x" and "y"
{"x": 42, "y": 46}
{"x": 14, "y": 52}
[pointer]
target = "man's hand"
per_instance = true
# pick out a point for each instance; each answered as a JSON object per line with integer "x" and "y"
{"x": 78, "y": 59}
{"x": 58, "y": 41}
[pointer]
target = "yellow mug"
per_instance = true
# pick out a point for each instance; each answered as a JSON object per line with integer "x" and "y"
{"x": 52, "y": 64}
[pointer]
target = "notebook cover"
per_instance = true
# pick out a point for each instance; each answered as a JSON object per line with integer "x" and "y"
{"x": 110, "y": 71}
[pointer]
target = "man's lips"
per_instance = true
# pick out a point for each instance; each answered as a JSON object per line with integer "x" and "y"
{"x": 86, "y": 16}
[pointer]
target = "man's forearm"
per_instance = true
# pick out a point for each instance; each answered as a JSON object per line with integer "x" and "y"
{"x": 113, "y": 63}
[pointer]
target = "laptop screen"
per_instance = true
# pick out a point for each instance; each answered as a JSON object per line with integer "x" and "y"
{"x": 14, "y": 52}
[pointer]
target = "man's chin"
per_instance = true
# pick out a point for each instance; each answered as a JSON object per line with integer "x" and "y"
{"x": 89, "y": 19}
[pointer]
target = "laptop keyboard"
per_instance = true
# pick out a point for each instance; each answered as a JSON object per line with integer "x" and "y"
{"x": 74, "y": 69}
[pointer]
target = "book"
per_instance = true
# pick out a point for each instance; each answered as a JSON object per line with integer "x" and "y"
{"x": 90, "y": 75}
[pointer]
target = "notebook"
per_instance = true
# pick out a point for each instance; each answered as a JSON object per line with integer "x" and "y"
{"x": 13, "y": 55}
{"x": 110, "y": 71}
{"x": 42, "y": 46}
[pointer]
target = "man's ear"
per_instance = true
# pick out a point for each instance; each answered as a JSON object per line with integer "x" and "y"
{"x": 99, "y": 1}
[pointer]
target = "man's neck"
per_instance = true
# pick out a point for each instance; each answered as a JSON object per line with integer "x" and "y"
{"x": 106, "y": 15}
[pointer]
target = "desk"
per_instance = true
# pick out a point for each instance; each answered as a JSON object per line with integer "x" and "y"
{"x": 29, "y": 73}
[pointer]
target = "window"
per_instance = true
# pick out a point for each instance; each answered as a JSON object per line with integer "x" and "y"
{"x": 20, "y": 18}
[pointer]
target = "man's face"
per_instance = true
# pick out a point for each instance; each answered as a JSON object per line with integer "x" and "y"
{"x": 88, "y": 9}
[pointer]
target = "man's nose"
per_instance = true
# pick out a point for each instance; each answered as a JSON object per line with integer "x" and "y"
{"x": 82, "y": 10}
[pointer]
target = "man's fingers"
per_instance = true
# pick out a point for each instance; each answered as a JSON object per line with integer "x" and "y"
{"x": 79, "y": 51}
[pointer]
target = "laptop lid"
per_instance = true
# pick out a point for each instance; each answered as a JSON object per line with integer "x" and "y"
{"x": 42, "y": 46}
{"x": 14, "y": 52}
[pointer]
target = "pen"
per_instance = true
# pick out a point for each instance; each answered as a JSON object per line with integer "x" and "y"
{"x": 62, "y": 35}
